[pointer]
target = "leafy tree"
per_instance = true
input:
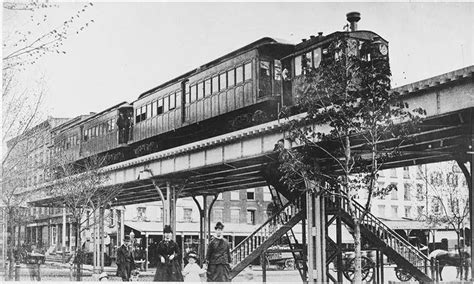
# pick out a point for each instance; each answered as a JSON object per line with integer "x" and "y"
{"x": 350, "y": 111}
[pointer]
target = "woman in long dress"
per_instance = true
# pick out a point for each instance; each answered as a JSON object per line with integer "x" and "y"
{"x": 218, "y": 257}
{"x": 167, "y": 253}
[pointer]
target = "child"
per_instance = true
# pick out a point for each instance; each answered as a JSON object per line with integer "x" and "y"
{"x": 134, "y": 275}
{"x": 192, "y": 270}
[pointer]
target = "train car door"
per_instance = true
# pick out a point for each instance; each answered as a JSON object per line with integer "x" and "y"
{"x": 265, "y": 84}
{"x": 124, "y": 124}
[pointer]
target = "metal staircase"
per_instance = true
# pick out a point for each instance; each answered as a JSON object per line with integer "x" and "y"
{"x": 266, "y": 235}
{"x": 388, "y": 241}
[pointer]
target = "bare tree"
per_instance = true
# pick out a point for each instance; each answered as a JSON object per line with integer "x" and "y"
{"x": 24, "y": 43}
{"x": 449, "y": 199}
{"x": 83, "y": 190}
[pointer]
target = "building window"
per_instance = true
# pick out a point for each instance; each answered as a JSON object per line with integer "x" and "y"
{"x": 251, "y": 194}
{"x": 160, "y": 214}
{"x": 394, "y": 211}
{"x": 251, "y": 217}
{"x": 420, "y": 193}
{"x": 235, "y": 195}
{"x": 406, "y": 172}
{"x": 408, "y": 211}
{"x": 381, "y": 209}
{"x": 394, "y": 193}
{"x": 381, "y": 186}
{"x": 419, "y": 172}
{"x": 187, "y": 214}
{"x": 235, "y": 216}
{"x": 393, "y": 173}
{"x": 407, "y": 193}
{"x": 217, "y": 215}
{"x": 267, "y": 196}
{"x": 420, "y": 211}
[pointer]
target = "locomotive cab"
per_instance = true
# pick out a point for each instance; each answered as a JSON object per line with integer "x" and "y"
{"x": 317, "y": 51}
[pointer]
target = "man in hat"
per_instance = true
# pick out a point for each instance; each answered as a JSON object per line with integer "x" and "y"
{"x": 168, "y": 254}
{"x": 218, "y": 257}
{"x": 125, "y": 262}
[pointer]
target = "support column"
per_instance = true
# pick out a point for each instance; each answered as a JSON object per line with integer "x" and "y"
{"x": 102, "y": 243}
{"x": 309, "y": 238}
{"x": 202, "y": 228}
{"x": 94, "y": 243}
{"x": 470, "y": 181}
{"x": 146, "y": 251}
{"x": 63, "y": 235}
{"x": 122, "y": 227}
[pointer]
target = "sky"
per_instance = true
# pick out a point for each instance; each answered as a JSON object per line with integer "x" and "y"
{"x": 132, "y": 47}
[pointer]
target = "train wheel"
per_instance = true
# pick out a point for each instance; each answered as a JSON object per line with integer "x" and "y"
{"x": 402, "y": 274}
{"x": 368, "y": 269}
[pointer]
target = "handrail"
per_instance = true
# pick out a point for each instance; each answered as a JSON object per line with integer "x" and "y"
{"x": 387, "y": 230}
{"x": 290, "y": 203}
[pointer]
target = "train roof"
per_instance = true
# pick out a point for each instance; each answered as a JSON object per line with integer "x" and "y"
{"x": 253, "y": 45}
{"x": 80, "y": 119}
{"x": 319, "y": 39}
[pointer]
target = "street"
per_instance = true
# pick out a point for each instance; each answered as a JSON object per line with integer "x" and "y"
{"x": 60, "y": 272}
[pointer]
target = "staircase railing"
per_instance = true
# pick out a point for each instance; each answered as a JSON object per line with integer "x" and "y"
{"x": 252, "y": 242}
{"x": 391, "y": 238}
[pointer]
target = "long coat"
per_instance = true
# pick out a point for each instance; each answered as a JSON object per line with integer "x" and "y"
{"x": 125, "y": 262}
{"x": 218, "y": 259}
{"x": 170, "y": 270}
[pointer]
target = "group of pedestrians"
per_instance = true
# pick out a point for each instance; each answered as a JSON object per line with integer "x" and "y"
{"x": 216, "y": 266}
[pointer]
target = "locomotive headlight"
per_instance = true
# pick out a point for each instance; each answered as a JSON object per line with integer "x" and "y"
{"x": 383, "y": 49}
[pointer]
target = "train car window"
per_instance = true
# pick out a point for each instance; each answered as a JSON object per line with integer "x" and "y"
{"x": 230, "y": 78}
{"x": 178, "y": 98}
{"x": 166, "y": 103}
{"x": 298, "y": 65}
{"x": 222, "y": 82}
{"x": 153, "y": 109}
{"x": 143, "y": 115}
{"x": 265, "y": 68}
{"x": 148, "y": 110}
{"x": 277, "y": 68}
{"x": 239, "y": 74}
{"x": 187, "y": 96}
{"x": 99, "y": 130}
{"x": 309, "y": 59}
{"x": 200, "y": 90}
{"x": 112, "y": 124}
{"x": 159, "y": 109}
{"x": 172, "y": 101}
{"x": 137, "y": 115}
{"x": 193, "y": 93}
{"x": 215, "y": 84}
{"x": 248, "y": 71}
{"x": 316, "y": 57}
{"x": 207, "y": 87}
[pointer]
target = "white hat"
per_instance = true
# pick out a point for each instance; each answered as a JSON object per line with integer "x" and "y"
{"x": 103, "y": 275}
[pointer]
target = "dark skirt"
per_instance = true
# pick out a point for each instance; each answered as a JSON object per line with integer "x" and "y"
{"x": 218, "y": 273}
{"x": 168, "y": 272}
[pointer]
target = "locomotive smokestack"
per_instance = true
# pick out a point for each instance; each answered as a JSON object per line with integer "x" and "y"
{"x": 353, "y": 18}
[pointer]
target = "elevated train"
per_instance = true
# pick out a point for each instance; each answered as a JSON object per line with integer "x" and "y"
{"x": 250, "y": 83}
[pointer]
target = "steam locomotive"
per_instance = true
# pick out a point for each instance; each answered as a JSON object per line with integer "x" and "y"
{"x": 248, "y": 85}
